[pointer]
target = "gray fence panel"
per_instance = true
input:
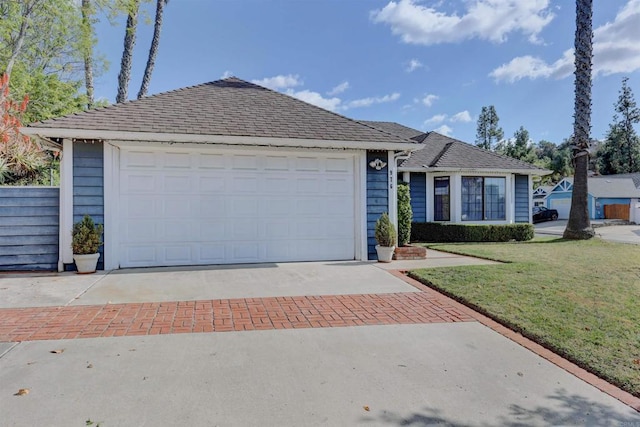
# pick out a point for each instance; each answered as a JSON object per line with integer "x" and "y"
{"x": 29, "y": 226}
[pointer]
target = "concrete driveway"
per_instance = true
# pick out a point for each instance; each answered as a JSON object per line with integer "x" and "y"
{"x": 374, "y": 350}
{"x": 612, "y": 233}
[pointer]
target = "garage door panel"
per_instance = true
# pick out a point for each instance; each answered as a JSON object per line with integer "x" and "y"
{"x": 177, "y": 160}
{"x": 212, "y": 184}
{"x": 181, "y": 208}
{"x": 177, "y": 184}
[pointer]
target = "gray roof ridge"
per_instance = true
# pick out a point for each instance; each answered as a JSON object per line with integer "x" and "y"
{"x": 379, "y": 130}
{"x": 365, "y": 123}
{"x": 501, "y": 156}
{"x": 441, "y": 153}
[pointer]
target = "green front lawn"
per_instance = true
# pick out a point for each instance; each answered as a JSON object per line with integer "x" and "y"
{"x": 580, "y": 299}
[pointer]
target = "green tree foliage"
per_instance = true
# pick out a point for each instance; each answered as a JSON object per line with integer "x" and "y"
{"x": 488, "y": 132}
{"x": 579, "y": 226}
{"x": 519, "y": 147}
{"x": 405, "y": 214}
{"x": 621, "y": 150}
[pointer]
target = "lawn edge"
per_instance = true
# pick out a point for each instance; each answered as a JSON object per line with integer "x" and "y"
{"x": 528, "y": 342}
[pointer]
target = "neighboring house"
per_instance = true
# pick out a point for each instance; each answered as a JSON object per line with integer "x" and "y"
{"x": 540, "y": 195}
{"x": 452, "y": 181}
{"x": 223, "y": 172}
{"x": 231, "y": 172}
{"x": 609, "y": 197}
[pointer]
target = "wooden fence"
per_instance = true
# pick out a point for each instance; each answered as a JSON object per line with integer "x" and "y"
{"x": 617, "y": 211}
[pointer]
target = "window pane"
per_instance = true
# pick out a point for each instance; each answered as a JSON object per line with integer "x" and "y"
{"x": 441, "y": 204}
{"x": 472, "y": 202}
{"x": 494, "y": 203}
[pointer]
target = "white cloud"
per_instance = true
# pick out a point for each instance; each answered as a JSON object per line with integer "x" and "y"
{"x": 316, "y": 99}
{"x": 367, "y": 102}
{"x": 438, "y": 118}
{"x": 339, "y": 89}
{"x": 429, "y": 99}
{"x": 491, "y": 20}
{"x": 226, "y": 74}
{"x": 444, "y": 130}
{"x": 279, "y": 82}
{"x": 615, "y": 50}
{"x": 462, "y": 117}
{"x": 414, "y": 64}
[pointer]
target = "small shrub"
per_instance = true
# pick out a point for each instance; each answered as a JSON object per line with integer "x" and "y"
{"x": 436, "y": 232}
{"x": 405, "y": 214}
{"x": 385, "y": 231}
{"x": 86, "y": 236}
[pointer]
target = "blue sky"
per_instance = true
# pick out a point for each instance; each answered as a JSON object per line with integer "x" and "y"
{"x": 430, "y": 65}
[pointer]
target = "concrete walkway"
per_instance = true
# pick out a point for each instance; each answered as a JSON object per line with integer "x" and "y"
{"x": 375, "y": 349}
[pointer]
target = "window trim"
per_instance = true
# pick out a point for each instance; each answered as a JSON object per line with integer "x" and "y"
{"x": 442, "y": 178}
{"x": 484, "y": 198}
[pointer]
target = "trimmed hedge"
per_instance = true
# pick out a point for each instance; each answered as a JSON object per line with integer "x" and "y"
{"x": 435, "y": 232}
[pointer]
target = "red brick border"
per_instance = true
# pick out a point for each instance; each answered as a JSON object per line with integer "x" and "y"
{"x": 90, "y": 321}
{"x": 584, "y": 375}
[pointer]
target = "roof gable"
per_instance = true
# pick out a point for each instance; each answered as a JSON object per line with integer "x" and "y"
{"x": 228, "y": 107}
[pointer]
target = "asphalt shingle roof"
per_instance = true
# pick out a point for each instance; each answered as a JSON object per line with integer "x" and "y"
{"x": 228, "y": 107}
{"x": 394, "y": 128}
{"x": 443, "y": 152}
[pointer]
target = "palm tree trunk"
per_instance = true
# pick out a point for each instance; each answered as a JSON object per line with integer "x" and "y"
{"x": 127, "y": 53}
{"x": 85, "y": 9}
{"x": 153, "y": 51}
{"x": 579, "y": 226}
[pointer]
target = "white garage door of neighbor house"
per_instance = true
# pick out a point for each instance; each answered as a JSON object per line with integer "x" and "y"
{"x": 563, "y": 206}
{"x": 189, "y": 208}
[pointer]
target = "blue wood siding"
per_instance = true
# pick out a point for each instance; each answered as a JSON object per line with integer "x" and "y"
{"x": 418, "y": 191}
{"x": 29, "y": 218}
{"x": 377, "y": 198}
{"x": 88, "y": 185}
{"x": 522, "y": 202}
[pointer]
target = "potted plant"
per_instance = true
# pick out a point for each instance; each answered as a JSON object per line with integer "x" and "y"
{"x": 85, "y": 242}
{"x": 385, "y": 234}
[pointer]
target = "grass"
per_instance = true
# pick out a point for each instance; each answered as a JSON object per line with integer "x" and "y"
{"x": 581, "y": 299}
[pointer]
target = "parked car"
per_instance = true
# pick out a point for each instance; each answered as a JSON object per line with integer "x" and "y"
{"x": 540, "y": 213}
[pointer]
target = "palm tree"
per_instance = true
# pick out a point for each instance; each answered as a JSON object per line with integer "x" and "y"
{"x": 579, "y": 226}
{"x": 153, "y": 51}
{"x": 127, "y": 53}
{"x": 87, "y": 29}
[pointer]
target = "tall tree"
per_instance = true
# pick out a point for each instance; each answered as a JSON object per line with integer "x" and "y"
{"x": 621, "y": 150}
{"x": 519, "y": 147}
{"x": 488, "y": 133}
{"x": 153, "y": 51}
{"x": 87, "y": 11}
{"x": 579, "y": 226}
{"x": 133, "y": 8}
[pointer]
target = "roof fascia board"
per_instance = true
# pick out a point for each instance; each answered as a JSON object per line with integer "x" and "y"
{"x": 537, "y": 172}
{"x": 215, "y": 139}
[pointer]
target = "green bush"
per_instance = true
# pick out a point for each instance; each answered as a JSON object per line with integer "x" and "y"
{"x": 385, "y": 231}
{"x": 86, "y": 236}
{"x": 405, "y": 214}
{"x": 436, "y": 232}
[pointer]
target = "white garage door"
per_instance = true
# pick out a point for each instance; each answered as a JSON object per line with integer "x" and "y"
{"x": 188, "y": 208}
{"x": 563, "y": 206}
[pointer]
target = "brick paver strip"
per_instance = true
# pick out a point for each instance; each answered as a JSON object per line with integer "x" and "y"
{"x": 89, "y": 321}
